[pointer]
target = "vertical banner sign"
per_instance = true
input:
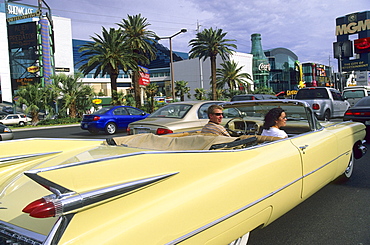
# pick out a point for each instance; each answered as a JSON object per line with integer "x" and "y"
{"x": 46, "y": 51}
{"x": 144, "y": 76}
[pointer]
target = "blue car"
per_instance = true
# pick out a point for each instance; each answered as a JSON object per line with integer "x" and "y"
{"x": 111, "y": 119}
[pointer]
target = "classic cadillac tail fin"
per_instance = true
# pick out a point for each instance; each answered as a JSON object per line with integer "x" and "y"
{"x": 57, "y": 205}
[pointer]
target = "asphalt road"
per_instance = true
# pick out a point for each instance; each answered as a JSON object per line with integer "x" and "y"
{"x": 339, "y": 214}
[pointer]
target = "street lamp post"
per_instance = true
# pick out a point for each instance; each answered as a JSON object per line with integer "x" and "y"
{"x": 171, "y": 60}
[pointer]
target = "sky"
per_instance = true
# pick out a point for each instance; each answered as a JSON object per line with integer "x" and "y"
{"x": 306, "y": 27}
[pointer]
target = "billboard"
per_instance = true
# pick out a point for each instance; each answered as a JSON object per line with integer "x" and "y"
{"x": 144, "y": 78}
{"x": 22, "y": 35}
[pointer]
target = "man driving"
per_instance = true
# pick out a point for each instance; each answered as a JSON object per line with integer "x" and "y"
{"x": 213, "y": 126}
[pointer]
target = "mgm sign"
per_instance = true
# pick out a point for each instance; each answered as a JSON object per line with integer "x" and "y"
{"x": 353, "y": 41}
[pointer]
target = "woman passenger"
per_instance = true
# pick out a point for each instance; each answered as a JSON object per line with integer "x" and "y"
{"x": 274, "y": 119}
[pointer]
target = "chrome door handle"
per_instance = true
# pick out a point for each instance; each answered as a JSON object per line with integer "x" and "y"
{"x": 303, "y": 148}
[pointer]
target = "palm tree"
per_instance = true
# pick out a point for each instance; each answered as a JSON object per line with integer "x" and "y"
{"x": 182, "y": 89}
{"x": 230, "y": 75}
{"x": 151, "y": 91}
{"x": 140, "y": 40}
{"x": 76, "y": 96}
{"x": 208, "y": 44}
{"x": 200, "y": 93}
{"x": 107, "y": 54}
{"x": 36, "y": 98}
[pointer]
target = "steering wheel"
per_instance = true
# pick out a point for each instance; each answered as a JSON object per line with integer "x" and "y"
{"x": 233, "y": 132}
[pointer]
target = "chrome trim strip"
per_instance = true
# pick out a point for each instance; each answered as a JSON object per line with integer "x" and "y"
{"x": 313, "y": 171}
{"x": 213, "y": 223}
{"x": 58, "y": 229}
{"x": 20, "y": 157}
{"x": 53, "y": 232}
{"x": 21, "y": 233}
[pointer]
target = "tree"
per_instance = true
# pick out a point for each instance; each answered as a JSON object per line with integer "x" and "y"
{"x": 118, "y": 98}
{"x": 264, "y": 90}
{"x": 182, "y": 89}
{"x": 35, "y": 98}
{"x": 107, "y": 54}
{"x": 151, "y": 91}
{"x": 140, "y": 40}
{"x": 208, "y": 44}
{"x": 200, "y": 93}
{"x": 76, "y": 96}
{"x": 230, "y": 75}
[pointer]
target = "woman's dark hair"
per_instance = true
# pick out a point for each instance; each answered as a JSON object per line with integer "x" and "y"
{"x": 271, "y": 117}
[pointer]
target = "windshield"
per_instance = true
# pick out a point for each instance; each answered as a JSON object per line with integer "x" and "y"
{"x": 363, "y": 102}
{"x": 315, "y": 93}
{"x": 349, "y": 94}
{"x": 298, "y": 114}
{"x": 172, "y": 111}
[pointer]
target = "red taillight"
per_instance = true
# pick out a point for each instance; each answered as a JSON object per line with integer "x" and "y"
{"x": 348, "y": 113}
{"x": 33, "y": 205}
{"x": 351, "y": 113}
{"x": 40, "y": 208}
{"x": 96, "y": 118}
{"x": 163, "y": 131}
{"x": 46, "y": 211}
{"x": 316, "y": 106}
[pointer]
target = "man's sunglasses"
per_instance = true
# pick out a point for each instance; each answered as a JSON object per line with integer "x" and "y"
{"x": 218, "y": 114}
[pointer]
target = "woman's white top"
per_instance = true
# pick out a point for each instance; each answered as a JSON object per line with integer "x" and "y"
{"x": 272, "y": 131}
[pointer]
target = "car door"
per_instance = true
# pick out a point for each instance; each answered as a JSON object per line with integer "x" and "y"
{"x": 121, "y": 117}
{"x": 12, "y": 119}
{"x": 134, "y": 115}
{"x": 319, "y": 152}
{"x": 339, "y": 104}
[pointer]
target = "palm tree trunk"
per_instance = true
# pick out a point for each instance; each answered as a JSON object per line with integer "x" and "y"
{"x": 113, "y": 85}
{"x": 213, "y": 76}
{"x": 137, "y": 91}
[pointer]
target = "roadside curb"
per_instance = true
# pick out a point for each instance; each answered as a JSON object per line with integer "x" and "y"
{"x": 45, "y": 127}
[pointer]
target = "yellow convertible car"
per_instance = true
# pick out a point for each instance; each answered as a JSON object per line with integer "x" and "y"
{"x": 185, "y": 188}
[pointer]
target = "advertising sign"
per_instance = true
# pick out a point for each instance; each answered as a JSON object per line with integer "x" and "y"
{"x": 17, "y": 12}
{"x": 362, "y": 45}
{"x": 16, "y": 83}
{"x": 22, "y": 35}
{"x": 144, "y": 76}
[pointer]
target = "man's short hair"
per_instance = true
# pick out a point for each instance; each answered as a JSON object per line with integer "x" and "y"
{"x": 212, "y": 108}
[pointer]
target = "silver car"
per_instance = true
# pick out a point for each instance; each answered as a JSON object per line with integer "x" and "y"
{"x": 177, "y": 117}
{"x": 5, "y": 133}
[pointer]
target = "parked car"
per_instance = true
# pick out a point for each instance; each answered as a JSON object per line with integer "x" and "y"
{"x": 5, "y": 133}
{"x": 241, "y": 97}
{"x": 15, "y": 119}
{"x": 110, "y": 119}
{"x": 360, "y": 112}
{"x": 177, "y": 117}
{"x": 355, "y": 93}
{"x": 186, "y": 188}
{"x": 7, "y": 109}
{"x": 326, "y": 102}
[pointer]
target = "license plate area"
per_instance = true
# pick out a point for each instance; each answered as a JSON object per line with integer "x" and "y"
{"x": 141, "y": 130}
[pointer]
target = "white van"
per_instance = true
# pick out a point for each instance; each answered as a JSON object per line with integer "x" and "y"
{"x": 355, "y": 93}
